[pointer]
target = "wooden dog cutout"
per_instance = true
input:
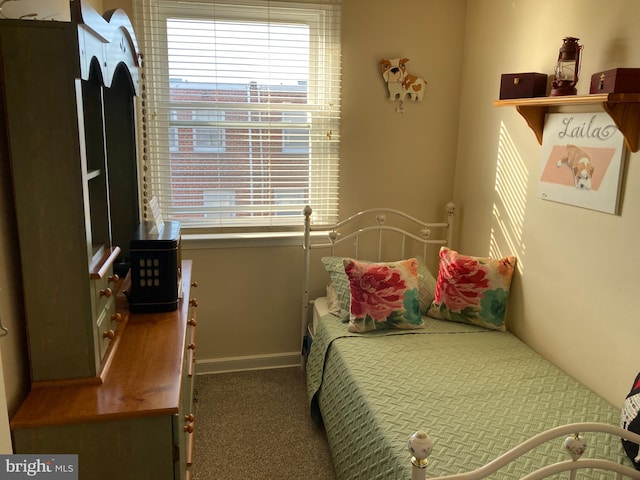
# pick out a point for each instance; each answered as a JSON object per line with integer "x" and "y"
{"x": 399, "y": 82}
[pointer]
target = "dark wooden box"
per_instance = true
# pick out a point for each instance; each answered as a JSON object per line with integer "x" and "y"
{"x": 617, "y": 80}
{"x": 155, "y": 273}
{"x": 523, "y": 85}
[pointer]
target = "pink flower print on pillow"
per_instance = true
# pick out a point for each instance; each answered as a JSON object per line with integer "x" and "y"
{"x": 376, "y": 290}
{"x": 462, "y": 284}
{"x": 472, "y": 290}
{"x": 383, "y": 295}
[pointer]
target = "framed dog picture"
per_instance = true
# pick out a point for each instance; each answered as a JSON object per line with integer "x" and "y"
{"x": 582, "y": 161}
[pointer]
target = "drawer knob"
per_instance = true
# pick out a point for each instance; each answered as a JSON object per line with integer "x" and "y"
{"x": 191, "y": 346}
{"x": 116, "y": 317}
{"x": 193, "y": 302}
{"x": 189, "y": 418}
{"x": 113, "y": 278}
{"x": 192, "y": 322}
{"x": 106, "y": 292}
{"x": 110, "y": 334}
{"x": 194, "y": 284}
{"x": 189, "y": 428}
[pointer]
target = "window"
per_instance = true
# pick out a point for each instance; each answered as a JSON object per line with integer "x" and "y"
{"x": 208, "y": 136}
{"x": 294, "y": 138}
{"x": 173, "y": 139}
{"x": 221, "y": 203}
{"x": 240, "y": 111}
{"x": 288, "y": 201}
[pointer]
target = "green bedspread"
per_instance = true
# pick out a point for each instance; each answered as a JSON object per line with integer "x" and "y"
{"x": 476, "y": 392}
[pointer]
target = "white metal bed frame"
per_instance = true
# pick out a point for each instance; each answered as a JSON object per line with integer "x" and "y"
{"x": 334, "y": 238}
{"x": 420, "y": 445}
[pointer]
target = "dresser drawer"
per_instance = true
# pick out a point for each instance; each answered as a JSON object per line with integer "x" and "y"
{"x": 103, "y": 290}
{"x": 106, "y": 327}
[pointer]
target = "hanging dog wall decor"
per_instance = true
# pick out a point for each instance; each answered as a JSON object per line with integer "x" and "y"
{"x": 400, "y": 82}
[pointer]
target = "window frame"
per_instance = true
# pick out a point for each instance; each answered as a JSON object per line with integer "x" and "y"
{"x": 165, "y": 10}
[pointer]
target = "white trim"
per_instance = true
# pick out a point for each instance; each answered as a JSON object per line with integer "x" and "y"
{"x": 249, "y": 362}
{"x": 206, "y": 241}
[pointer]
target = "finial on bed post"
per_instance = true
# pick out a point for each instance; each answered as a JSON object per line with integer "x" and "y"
{"x": 420, "y": 446}
{"x": 307, "y": 225}
{"x": 451, "y": 210}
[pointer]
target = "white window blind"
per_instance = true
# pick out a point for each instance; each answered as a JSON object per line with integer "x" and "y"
{"x": 239, "y": 112}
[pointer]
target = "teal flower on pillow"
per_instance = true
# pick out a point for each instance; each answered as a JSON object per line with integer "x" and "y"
{"x": 494, "y": 304}
{"x": 464, "y": 284}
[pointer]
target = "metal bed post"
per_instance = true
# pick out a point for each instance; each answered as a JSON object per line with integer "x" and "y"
{"x": 305, "y": 293}
{"x": 451, "y": 210}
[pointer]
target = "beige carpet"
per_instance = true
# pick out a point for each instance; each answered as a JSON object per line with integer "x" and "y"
{"x": 255, "y": 425}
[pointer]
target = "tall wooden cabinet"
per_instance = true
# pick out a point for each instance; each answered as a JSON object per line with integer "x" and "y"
{"x": 113, "y": 387}
{"x": 69, "y": 91}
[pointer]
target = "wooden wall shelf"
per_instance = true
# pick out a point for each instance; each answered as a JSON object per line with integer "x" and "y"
{"x": 623, "y": 108}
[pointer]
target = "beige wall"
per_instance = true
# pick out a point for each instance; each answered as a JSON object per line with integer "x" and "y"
{"x": 41, "y": 9}
{"x": 573, "y": 297}
{"x": 250, "y": 297}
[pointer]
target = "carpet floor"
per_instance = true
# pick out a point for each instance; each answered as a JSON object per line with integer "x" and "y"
{"x": 255, "y": 425}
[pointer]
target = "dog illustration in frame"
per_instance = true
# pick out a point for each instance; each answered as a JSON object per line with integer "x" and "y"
{"x": 580, "y": 164}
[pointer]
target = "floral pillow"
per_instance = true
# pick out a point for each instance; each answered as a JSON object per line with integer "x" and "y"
{"x": 383, "y": 295}
{"x": 339, "y": 292}
{"x": 339, "y": 287}
{"x": 426, "y": 286}
{"x": 333, "y": 303}
{"x": 472, "y": 290}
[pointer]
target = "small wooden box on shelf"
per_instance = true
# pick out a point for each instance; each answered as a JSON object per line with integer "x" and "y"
{"x": 522, "y": 85}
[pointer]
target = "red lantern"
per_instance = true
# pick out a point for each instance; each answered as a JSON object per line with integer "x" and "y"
{"x": 567, "y": 68}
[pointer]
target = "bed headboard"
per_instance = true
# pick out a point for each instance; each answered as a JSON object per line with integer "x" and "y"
{"x": 371, "y": 231}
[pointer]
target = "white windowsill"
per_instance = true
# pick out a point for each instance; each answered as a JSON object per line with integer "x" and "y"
{"x": 240, "y": 240}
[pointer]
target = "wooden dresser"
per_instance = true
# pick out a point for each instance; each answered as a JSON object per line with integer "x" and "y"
{"x": 138, "y": 424}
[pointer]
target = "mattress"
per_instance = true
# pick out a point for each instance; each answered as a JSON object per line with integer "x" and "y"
{"x": 320, "y": 309}
{"x": 477, "y": 393}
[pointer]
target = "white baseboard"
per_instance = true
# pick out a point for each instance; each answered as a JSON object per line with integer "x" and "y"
{"x": 250, "y": 362}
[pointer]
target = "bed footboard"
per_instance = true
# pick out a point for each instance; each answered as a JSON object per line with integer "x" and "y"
{"x": 421, "y": 445}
